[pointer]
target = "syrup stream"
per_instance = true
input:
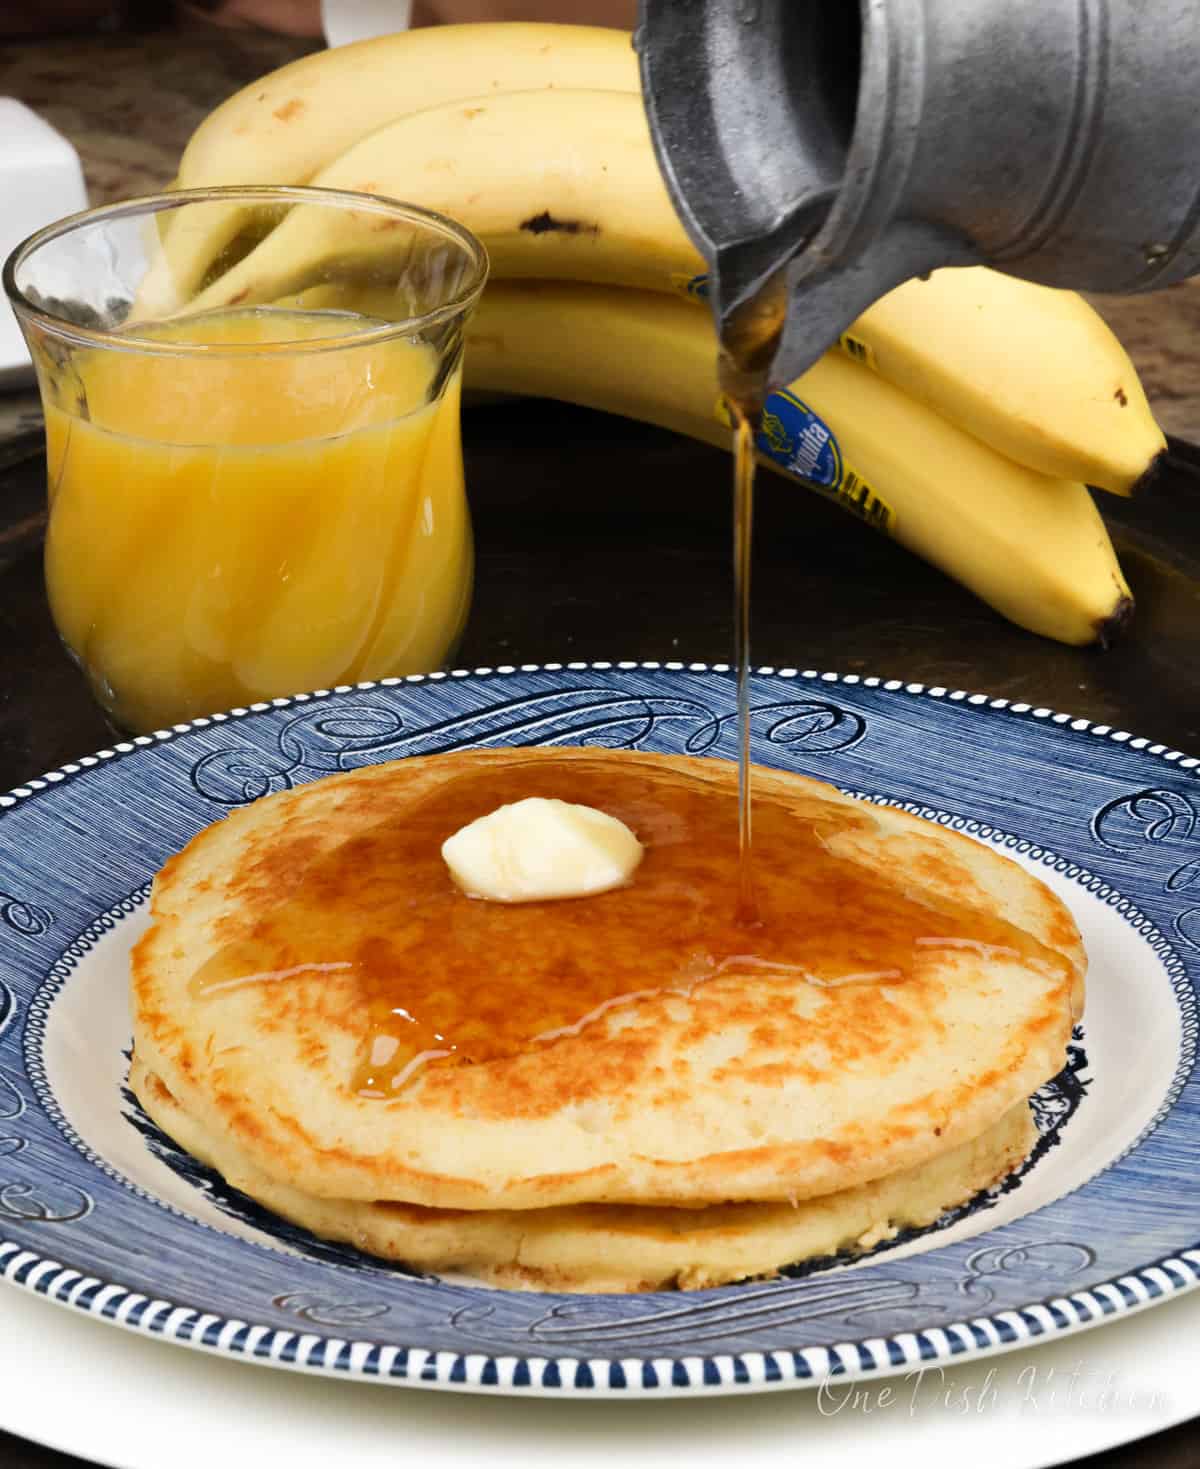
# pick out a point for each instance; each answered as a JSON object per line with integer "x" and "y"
{"x": 749, "y": 339}
{"x": 743, "y": 542}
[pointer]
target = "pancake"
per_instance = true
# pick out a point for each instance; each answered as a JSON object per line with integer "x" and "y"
{"x": 755, "y": 1083}
{"x": 618, "y": 1247}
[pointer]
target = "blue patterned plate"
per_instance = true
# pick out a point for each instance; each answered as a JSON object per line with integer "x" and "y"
{"x": 98, "y": 1210}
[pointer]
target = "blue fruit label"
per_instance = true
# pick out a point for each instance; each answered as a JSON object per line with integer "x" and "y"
{"x": 802, "y": 444}
{"x": 695, "y": 286}
{"x": 798, "y": 441}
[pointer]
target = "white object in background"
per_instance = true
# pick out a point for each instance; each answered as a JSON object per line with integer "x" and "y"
{"x": 40, "y": 181}
{"x": 356, "y": 20}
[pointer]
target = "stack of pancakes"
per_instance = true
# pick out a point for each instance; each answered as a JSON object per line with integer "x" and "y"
{"x": 688, "y": 1137}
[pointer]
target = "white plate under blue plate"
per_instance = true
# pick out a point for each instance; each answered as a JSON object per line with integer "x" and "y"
{"x": 99, "y": 1211}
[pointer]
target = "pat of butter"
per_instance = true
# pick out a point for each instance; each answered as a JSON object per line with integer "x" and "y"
{"x": 537, "y": 849}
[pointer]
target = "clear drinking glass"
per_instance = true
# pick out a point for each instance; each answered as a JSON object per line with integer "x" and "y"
{"x": 253, "y": 441}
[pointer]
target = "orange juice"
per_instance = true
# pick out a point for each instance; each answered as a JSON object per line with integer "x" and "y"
{"x": 230, "y": 525}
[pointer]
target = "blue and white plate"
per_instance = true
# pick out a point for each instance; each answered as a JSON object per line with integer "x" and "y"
{"x": 98, "y": 1210}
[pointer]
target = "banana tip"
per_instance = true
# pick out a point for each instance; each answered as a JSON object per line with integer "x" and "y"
{"x": 1110, "y": 628}
{"x": 1149, "y": 477}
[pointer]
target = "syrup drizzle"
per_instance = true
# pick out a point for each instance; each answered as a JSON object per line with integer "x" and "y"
{"x": 373, "y": 939}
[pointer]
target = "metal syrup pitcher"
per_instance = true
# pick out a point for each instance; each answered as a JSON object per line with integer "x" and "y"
{"x": 840, "y": 147}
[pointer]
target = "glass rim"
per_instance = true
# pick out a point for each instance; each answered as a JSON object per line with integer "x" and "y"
{"x": 147, "y": 204}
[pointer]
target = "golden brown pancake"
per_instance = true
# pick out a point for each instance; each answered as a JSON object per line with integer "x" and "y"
{"x": 908, "y": 989}
{"x": 619, "y": 1247}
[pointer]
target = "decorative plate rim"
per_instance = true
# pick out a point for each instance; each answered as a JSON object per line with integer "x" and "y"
{"x": 1039, "y": 712}
{"x": 982, "y": 1336}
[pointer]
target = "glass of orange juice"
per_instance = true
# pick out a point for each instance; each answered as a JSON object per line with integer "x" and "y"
{"x": 255, "y": 488}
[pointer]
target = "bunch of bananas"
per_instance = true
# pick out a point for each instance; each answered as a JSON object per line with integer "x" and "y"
{"x": 965, "y": 415}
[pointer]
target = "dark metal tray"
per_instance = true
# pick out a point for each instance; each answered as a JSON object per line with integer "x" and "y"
{"x": 601, "y": 539}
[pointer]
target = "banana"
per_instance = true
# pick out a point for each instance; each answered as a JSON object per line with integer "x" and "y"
{"x": 286, "y": 126}
{"x": 556, "y": 184}
{"x": 1033, "y": 547}
{"x": 563, "y": 184}
{"x": 290, "y": 124}
{"x": 1034, "y": 372}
